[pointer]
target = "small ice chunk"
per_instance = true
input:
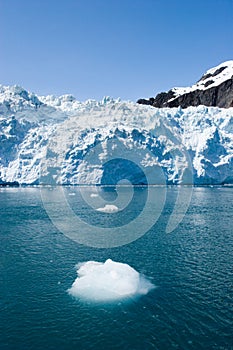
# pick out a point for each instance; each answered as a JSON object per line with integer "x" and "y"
{"x": 109, "y": 281}
{"x": 109, "y": 208}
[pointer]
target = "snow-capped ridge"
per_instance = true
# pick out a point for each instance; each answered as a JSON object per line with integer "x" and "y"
{"x": 214, "y": 89}
{"x": 213, "y": 77}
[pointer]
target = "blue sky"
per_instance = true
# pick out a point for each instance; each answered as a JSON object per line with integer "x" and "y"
{"x": 125, "y": 48}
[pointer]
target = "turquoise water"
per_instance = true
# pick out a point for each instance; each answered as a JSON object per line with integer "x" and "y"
{"x": 192, "y": 269}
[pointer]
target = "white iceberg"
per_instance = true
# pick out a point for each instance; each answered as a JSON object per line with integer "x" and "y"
{"x": 94, "y": 195}
{"x": 109, "y": 208}
{"x": 109, "y": 281}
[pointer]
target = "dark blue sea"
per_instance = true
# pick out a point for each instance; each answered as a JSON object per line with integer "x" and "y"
{"x": 191, "y": 267}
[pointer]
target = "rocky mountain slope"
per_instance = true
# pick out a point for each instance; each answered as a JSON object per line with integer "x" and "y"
{"x": 215, "y": 88}
{"x": 59, "y": 140}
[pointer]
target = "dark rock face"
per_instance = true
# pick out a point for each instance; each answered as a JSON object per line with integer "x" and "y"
{"x": 217, "y": 96}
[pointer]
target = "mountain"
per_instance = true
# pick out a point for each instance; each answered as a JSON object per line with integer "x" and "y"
{"x": 215, "y": 88}
{"x": 59, "y": 140}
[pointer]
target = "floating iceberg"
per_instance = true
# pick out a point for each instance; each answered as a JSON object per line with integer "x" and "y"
{"x": 109, "y": 208}
{"x": 109, "y": 281}
{"x": 94, "y": 195}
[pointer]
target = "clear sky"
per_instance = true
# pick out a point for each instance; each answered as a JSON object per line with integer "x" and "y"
{"x": 119, "y": 48}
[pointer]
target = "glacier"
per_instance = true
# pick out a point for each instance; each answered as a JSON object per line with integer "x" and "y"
{"x": 53, "y": 140}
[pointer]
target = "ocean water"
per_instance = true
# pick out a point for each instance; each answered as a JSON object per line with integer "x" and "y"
{"x": 191, "y": 267}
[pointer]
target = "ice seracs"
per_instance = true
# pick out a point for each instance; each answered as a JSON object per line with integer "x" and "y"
{"x": 72, "y": 143}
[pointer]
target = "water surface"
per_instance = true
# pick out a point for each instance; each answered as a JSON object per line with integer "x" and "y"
{"x": 191, "y": 308}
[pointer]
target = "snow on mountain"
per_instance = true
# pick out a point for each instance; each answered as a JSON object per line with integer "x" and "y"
{"x": 215, "y": 88}
{"x": 51, "y": 140}
{"x": 213, "y": 77}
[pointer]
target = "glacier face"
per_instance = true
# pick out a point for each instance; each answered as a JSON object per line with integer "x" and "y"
{"x": 59, "y": 140}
